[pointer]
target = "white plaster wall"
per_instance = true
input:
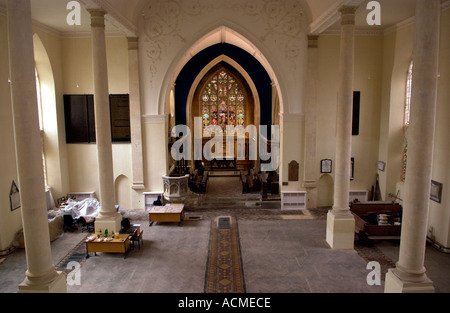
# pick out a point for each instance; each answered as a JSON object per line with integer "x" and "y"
{"x": 368, "y": 75}
{"x": 10, "y": 221}
{"x": 78, "y": 79}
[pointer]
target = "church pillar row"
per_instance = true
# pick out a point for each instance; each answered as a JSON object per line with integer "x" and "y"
{"x": 108, "y": 218}
{"x": 409, "y": 274}
{"x": 135, "y": 115}
{"x": 340, "y": 222}
{"x": 41, "y": 275}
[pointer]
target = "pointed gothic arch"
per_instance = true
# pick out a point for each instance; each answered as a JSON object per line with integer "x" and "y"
{"x": 221, "y": 33}
{"x": 203, "y": 73}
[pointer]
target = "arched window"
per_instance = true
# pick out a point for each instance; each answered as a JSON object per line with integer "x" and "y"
{"x": 41, "y": 123}
{"x": 406, "y": 119}
{"x": 408, "y": 95}
{"x": 222, "y": 102}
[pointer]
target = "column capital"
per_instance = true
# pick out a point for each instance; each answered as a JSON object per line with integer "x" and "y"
{"x": 133, "y": 43}
{"x": 97, "y": 17}
{"x": 347, "y": 14}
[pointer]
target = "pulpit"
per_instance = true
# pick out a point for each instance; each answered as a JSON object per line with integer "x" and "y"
{"x": 176, "y": 189}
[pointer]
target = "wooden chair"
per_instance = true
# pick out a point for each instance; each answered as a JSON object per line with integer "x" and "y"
{"x": 137, "y": 238}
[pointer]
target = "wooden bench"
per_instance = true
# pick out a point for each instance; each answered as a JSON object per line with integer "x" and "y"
{"x": 366, "y": 224}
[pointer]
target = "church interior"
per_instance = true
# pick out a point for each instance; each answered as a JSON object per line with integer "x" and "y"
{"x": 241, "y": 146}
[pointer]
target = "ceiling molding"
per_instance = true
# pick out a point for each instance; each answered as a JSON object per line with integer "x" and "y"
{"x": 113, "y": 17}
{"x": 87, "y": 34}
{"x": 46, "y": 28}
{"x": 398, "y": 26}
{"x": 445, "y": 5}
{"x": 358, "y": 32}
{"x": 331, "y": 16}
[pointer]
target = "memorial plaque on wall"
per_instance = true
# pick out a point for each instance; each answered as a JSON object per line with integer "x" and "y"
{"x": 120, "y": 118}
{"x": 293, "y": 171}
{"x": 356, "y": 110}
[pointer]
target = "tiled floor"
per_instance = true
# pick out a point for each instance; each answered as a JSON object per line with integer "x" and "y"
{"x": 282, "y": 252}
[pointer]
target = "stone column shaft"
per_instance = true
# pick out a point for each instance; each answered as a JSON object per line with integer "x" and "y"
{"x": 344, "y": 112}
{"x": 409, "y": 274}
{"x": 41, "y": 275}
{"x": 340, "y": 222}
{"x": 135, "y": 115}
{"x": 108, "y": 217}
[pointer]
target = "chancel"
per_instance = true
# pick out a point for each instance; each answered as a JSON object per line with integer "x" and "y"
{"x": 245, "y": 146}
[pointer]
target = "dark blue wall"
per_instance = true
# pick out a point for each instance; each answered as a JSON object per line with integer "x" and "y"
{"x": 256, "y": 71}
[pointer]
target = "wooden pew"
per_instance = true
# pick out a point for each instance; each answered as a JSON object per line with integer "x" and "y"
{"x": 366, "y": 224}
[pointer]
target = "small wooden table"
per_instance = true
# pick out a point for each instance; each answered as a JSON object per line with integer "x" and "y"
{"x": 120, "y": 245}
{"x": 167, "y": 213}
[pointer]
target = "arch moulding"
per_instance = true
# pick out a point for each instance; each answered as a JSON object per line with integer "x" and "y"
{"x": 220, "y": 34}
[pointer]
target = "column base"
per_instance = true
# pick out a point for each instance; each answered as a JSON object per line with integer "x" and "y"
{"x": 111, "y": 223}
{"x": 58, "y": 285}
{"x": 340, "y": 230}
{"x": 394, "y": 284}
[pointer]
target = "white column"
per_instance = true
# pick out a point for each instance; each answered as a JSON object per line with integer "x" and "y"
{"x": 41, "y": 275}
{"x": 310, "y": 181}
{"x": 340, "y": 222}
{"x": 108, "y": 218}
{"x": 135, "y": 115}
{"x": 409, "y": 274}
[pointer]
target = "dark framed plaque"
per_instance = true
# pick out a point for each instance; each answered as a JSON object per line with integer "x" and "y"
{"x": 436, "y": 191}
{"x": 326, "y": 166}
{"x": 352, "y": 169}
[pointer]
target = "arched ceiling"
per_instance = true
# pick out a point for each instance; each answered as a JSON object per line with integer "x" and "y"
{"x": 123, "y": 14}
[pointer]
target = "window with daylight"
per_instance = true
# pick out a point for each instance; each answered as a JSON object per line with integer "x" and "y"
{"x": 41, "y": 123}
{"x": 406, "y": 119}
{"x": 408, "y": 95}
{"x": 222, "y": 102}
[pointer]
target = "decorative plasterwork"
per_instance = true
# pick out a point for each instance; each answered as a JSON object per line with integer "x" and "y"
{"x": 163, "y": 20}
{"x": 168, "y": 27}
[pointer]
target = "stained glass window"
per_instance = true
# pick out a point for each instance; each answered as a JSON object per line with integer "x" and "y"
{"x": 222, "y": 102}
